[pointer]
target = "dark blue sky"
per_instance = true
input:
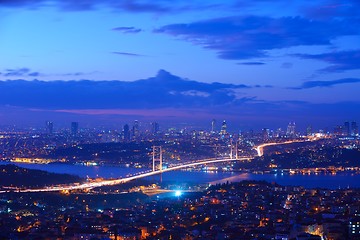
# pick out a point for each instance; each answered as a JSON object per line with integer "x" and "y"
{"x": 255, "y": 63}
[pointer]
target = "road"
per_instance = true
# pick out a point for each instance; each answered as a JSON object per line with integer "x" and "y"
{"x": 260, "y": 148}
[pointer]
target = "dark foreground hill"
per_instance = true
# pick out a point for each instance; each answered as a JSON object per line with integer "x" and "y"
{"x": 11, "y": 175}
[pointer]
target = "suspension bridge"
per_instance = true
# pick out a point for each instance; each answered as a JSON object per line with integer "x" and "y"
{"x": 157, "y": 168}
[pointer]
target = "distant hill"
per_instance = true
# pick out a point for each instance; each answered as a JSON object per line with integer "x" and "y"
{"x": 11, "y": 175}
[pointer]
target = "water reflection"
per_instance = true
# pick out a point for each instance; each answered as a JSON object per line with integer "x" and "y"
{"x": 340, "y": 180}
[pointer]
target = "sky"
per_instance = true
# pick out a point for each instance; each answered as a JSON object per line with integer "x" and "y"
{"x": 256, "y": 64}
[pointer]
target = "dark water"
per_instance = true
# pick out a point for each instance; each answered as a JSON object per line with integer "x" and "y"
{"x": 81, "y": 170}
{"x": 340, "y": 180}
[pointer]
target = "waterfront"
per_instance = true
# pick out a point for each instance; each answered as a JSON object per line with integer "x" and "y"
{"x": 339, "y": 180}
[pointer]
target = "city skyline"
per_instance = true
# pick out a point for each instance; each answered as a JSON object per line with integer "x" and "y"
{"x": 244, "y": 62}
{"x": 131, "y": 130}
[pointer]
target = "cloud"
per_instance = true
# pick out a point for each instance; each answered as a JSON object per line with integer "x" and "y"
{"x": 81, "y": 5}
{"x": 162, "y": 91}
{"x": 128, "y": 54}
{"x": 320, "y": 9}
{"x": 194, "y": 93}
{"x": 314, "y": 84}
{"x": 75, "y": 74}
{"x": 286, "y": 65}
{"x": 328, "y": 9}
{"x": 164, "y": 97}
{"x": 251, "y": 63}
{"x": 144, "y": 6}
{"x": 246, "y": 37}
{"x": 19, "y": 72}
{"x": 158, "y": 113}
{"x": 34, "y": 74}
{"x": 134, "y": 6}
{"x": 127, "y": 29}
{"x": 341, "y": 61}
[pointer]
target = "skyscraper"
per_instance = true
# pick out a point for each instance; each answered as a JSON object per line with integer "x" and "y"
{"x": 213, "y": 123}
{"x": 223, "y": 128}
{"x": 266, "y": 134}
{"x": 49, "y": 127}
{"x": 126, "y": 132}
{"x": 339, "y": 130}
{"x": 309, "y": 130}
{"x": 155, "y": 128}
{"x": 350, "y": 129}
{"x": 135, "y": 129}
{"x": 347, "y": 131}
{"x": 354, "y": 129}
{"x": 74, "y": 128}
{"x": 290, "y": 131}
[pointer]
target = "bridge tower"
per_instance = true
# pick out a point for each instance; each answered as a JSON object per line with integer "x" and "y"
{"x": 237, "y": 152}
{"x": 232, "y": 149}
{"x": 157, "y": 157}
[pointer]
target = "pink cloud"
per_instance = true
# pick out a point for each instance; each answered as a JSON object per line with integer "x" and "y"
{"x": 166, "y": 112}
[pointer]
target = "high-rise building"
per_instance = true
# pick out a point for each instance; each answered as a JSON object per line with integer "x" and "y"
{"x": 223, "y": 128}
{"x": 213, "y": 126}
{"x": 74, "y": 128}
{"x": 347, "y": 131}
{"x": 279, "y": 132}
{"x": 126, "y": 132}
{"x": 155, "y": 128}
{"x": 251, "y": 133}
{"x": 354, "y": 129}
{"x": 135, "y": 129}
{"x": 309, "y": 130}
{"x": 339, "y": 130}
{"x": 266, "y": 134}
{"x": 49, "y": 127}
{"x": 290, "y": 131}
{"x": 350, "y": 129}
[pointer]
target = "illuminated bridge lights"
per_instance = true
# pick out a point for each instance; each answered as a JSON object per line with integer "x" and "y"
{"x": 107, "y": 182}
